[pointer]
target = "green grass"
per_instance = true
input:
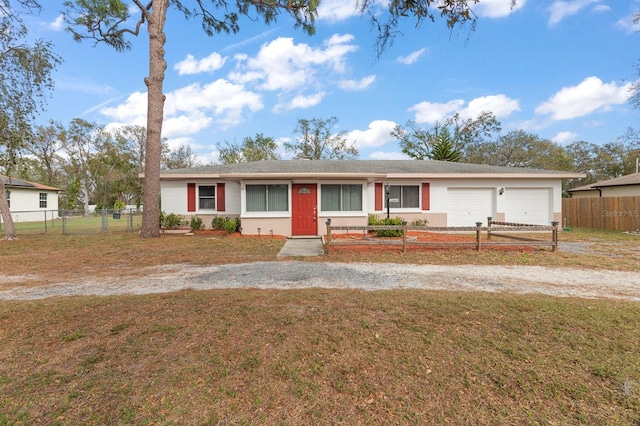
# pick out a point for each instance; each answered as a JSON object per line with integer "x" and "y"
{"x": 92, "y": 224}
{"x": 319, "y": 357}
{"x": 311, "y": 356}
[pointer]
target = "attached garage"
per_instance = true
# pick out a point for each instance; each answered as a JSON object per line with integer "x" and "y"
{"x": 466, "y": 206}
{"x": 527, "y": 205}
{"x": 349, "y": 192}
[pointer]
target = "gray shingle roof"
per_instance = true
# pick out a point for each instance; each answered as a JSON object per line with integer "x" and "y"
{"x": 11, "y": 182}
{"x": 633, "y": 179}
{"x": 360, "y": 167}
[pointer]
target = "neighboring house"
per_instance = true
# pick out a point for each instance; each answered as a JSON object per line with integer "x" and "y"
{"x": 28, "y": 200}
{"x": 296, "y": 197}
{"x": 623, "y": 186}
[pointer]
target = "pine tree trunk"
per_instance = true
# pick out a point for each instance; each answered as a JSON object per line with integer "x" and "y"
{"x": 155, "y": 105}
{"x": 9, "y": 227}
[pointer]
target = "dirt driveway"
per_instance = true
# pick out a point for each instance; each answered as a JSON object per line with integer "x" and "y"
{"x": 562, "y": 282}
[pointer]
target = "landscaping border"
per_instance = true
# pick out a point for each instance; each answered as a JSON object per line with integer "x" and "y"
{"x": 506, "y": 230}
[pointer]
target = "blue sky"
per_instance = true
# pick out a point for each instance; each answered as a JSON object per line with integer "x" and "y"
{"x": 559, "y": 69}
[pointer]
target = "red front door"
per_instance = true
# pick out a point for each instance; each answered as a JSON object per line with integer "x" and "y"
{"x": 304, "y": 210}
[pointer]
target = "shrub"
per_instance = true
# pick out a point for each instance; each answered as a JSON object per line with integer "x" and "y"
{"x": 230, "y": 225}
{"x": 392, "y": 221}
{"x": 218, "y": 222}
{"x": 170, "y": 221}
{"x": 419, "y": 222}
{"x": 196, "y": 223}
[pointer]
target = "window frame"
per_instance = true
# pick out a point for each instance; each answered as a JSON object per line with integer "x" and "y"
{"x": 42, "y": 199}
{"x": 341, "y": 185}
{"x": 200, "y": 198}
{"x": 267, "y": 211}
{"x": 402, "y": 197}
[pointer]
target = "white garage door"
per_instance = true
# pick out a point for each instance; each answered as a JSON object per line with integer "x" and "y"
{"x": 527, "y": 205}
{"x": 466, "y": 206}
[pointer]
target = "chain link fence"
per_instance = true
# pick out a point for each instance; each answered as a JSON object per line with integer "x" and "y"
{"x": 75, "y": 222}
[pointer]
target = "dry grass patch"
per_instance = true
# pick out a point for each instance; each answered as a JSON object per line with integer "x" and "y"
{"x": 50, "y": 258}
{"x": 319, "y": 357}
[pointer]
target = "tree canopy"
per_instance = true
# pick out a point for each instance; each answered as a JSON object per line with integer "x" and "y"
{"x": 26, "y": 69}
{"x": 251, "y": 149}
{"x": 448, "y": 140}
{"x": 316, "y": 141}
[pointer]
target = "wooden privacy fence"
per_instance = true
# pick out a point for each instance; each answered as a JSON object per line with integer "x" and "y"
{"x": 505, "y": 230}
{"x": 613, "y": 213}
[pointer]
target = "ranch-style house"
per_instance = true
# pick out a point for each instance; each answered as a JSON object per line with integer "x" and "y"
{"x": 296, "y": 197}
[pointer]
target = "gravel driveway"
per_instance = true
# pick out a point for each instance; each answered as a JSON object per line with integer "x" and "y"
{"x": 295, "y": 274}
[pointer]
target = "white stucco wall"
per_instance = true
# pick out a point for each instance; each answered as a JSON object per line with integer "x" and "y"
{"x": 174, "y": 200}
{"x": 25, "y": 204}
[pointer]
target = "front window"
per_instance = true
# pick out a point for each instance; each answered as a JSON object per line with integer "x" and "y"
{"x": 341, "y": 198}
{"x": 207, "y": 197}
{"x": 8, "y": 198}
{"x": 404, "y": 196}
{"x": 267, "y": 198}
{"x": 43, "y": 200}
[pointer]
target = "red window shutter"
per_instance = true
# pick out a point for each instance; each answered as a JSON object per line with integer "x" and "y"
{"x": 378, "y": 202}
{"x": 425, "y": 197}
{"x": 191, "y": 197}
{"x": 220, "y": 198}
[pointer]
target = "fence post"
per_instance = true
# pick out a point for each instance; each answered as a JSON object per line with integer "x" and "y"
{"x": 404, "y": 236}
{"x": 328, "y": 223}
{"x": 554, "y": 236}
{"x": 489, "y": 219}
{"x": 478, "y": 230}
{"x": 64, "y": 222}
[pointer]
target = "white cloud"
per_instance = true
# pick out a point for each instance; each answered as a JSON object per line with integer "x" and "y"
{"x": 341, "y": 10}
{"x": 628, "y": 25}
{"x": 283, "y": 65}
{"x": 58, "y": 24}
{"x": 185, "y": 124}
{"x": 190, "y": 65}
{"x": 210, "y": 157}
{"x": 497, "y": 8}
{"x": 337, "y": 10}
{"x": 379, "y": 155}
{"x": 564, "y": 138}
{"x": 301, "y": 102}
{"x": 600, "y": 8}
{"x": 561, "y": 9}
{"x": 412, "y": 57}
{"x": 429, "y": 112}
{"x": 192, "y": 108}
{"x": 175, "y": 143}
{"x": 132, "y": 111}
{"x": 500, "y": 105}
{"x": 377, "y": 134}
{"x": 589, "y": 96}
{"x": 355, "y": 85}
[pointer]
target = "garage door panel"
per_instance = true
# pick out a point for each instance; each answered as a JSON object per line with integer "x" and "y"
{"x": 528, "y": 205}
{"x": 466, "y": 206}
